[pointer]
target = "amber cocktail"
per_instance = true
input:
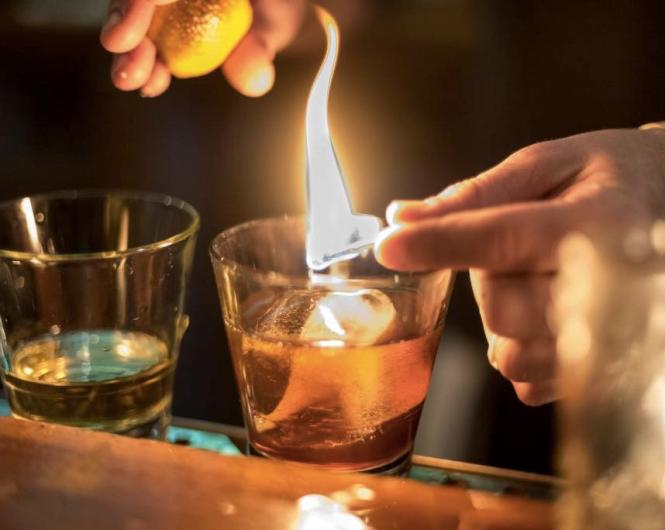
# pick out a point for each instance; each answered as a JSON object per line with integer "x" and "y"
{"x": 333, "y": 369}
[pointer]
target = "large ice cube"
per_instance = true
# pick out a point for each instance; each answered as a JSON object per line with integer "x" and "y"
{"x": 351, "y": 372}
{"x": 355, "y": 318}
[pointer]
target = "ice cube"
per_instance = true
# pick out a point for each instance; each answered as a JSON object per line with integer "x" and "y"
{"x": 287, "y": 313}
{"x": 354, "y": 318}
{"x": 340, "y": 320}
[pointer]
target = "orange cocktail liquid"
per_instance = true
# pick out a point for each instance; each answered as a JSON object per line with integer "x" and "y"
{"x": 332, "y": 403}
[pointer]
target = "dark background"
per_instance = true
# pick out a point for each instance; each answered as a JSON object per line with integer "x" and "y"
{"x": 427, "y": 92}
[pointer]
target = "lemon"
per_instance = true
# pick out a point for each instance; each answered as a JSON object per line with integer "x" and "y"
{"x": 194, "y": 37}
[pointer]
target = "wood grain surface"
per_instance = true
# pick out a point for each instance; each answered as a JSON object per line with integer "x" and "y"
{"x": 57, "y": 478}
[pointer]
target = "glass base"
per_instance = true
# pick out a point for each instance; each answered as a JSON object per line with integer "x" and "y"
{"x": 153, "y": 429}
{"x": 399, "y": 467}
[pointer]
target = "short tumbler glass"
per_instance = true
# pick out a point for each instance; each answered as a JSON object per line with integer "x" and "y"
{"x": 333, "y": 369}
{"x": 92, "y": 288}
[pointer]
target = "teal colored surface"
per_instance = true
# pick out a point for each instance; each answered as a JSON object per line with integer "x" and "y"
{"x": 4, "y": 408}
{"x": 218, "y": 443}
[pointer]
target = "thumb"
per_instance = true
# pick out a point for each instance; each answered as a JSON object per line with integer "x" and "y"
{"x": 528, "y": 174}
{"x": 250, "y": 68}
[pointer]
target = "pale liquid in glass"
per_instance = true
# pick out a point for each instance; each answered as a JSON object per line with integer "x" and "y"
{"x": 339, "y": 406}
{"x": 99, "y": 379}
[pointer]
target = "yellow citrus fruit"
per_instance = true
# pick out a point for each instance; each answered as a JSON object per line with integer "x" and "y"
{"x": 194, "y": 37}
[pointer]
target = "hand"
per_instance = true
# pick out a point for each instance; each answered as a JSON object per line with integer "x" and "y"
{"x": 249, "y": 69}
{"x": 506, "y": 223}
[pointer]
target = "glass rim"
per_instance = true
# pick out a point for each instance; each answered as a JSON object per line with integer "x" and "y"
{"x": 144, "y": 196}
{"x": 309, "y": 278}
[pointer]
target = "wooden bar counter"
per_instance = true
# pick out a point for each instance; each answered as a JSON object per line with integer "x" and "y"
{"x": 60, "y": 478}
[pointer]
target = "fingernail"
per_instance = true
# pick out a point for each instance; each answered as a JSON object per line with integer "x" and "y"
{"x": 261, "y": 81}
{"x": 449, "y": 191}
{"x": 491, "y": 354}
{"x": 114, "y": 18}
{"x": 403, "y": 206}
{"x": 144, "y": 94}
{"x": 391, "y": 212}
{"x": 385, "y": 234}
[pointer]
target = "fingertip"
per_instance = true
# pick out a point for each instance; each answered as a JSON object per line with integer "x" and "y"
{"x": 132, "y": 70}
{"x": 391, "y": 213}
{"x": 386, "y": 248}
{"x": 404, "y": 211}
{"x": 126, "y": 26}
{"x": 250, "y": 68}
{"x": 158, "y": 82}
{"x": 251, "y": 80}
{"x": 259, "y": 82}
{"x": 536, "y": 394}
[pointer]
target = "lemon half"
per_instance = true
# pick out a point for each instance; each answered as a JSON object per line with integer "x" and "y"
{"x": 194, "y": 37}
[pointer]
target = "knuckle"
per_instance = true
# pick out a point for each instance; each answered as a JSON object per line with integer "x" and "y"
{"x": 503, "y": 246}
{"x": 471, "y": 191}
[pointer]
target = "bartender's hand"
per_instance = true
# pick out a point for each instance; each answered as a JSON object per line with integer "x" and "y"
{"x": 505, "y": 225}
{"x": 136, "y": 65}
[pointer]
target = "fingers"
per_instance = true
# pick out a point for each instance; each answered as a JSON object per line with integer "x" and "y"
{"x": 520, "y": 237}
{"x": 524, "y": 361}
{"x": 277, "y": 22}
{"x": 132, "y": 70}
{"x": 158, "y": 82}
{"x": 249, "y": 69}
{"x": 514, "y": 306}
{"x": 124, "y": 33}
{"x": 126, "y": 24}
{"x": 530, "y": 173}
{"x": 520, "y": 344}
{"x": 537, "y": 394}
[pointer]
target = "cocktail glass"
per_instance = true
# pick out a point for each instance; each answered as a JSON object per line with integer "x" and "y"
{"x": 333, "y": 369}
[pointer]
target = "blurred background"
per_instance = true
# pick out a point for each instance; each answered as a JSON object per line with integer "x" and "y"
{"x": 427, "y": 92}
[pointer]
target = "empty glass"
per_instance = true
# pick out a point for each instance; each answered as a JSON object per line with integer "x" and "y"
{"x": 92, "y": 289}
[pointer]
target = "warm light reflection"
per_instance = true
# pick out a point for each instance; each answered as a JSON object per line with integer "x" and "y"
{"x": 31, "y": 225}
{"x": 335, "y": 233}
{"x": 317, "y": 512}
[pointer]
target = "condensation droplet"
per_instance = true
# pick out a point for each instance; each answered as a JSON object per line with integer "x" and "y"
{"x": 55, "y": 329}
{"x": 20, "y": 282}
{"x": 39, "y": 217}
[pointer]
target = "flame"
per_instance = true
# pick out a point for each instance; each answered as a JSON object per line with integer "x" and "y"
{"x": 335, "y": 233}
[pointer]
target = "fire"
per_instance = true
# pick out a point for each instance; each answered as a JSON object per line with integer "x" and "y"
{"x": 335, "y": 233}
